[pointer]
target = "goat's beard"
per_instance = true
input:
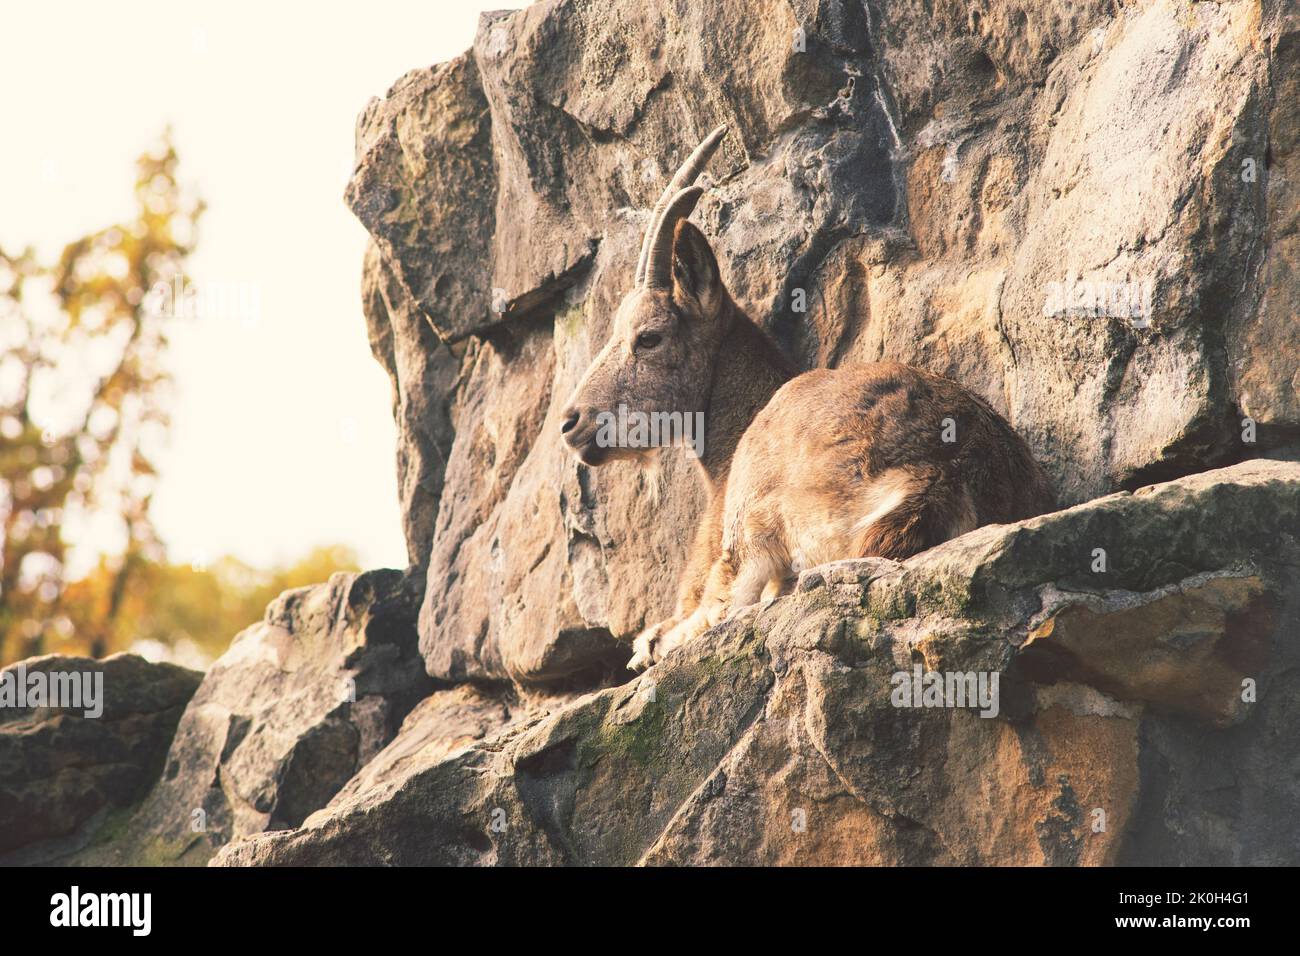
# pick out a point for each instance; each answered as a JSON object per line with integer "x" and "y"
{"x": 652, "y": 466}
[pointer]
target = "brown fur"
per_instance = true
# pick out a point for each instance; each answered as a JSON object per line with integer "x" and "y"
{"x": 833, "y": 463}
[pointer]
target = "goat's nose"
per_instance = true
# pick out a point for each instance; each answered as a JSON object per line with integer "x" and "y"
{"x": 570, "y": 421}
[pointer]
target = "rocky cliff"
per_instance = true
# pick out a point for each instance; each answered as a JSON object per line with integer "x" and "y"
{"x": 1087, "y": 216}
{"x": 1145, "y": 715}
{"x": 1084, "y": 212}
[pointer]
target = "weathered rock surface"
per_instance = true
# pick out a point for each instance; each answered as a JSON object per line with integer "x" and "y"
{"x": 423, "y": 375}
{"x": 1085, "y": 212}
{"x": 62, "y": 771}
{"x": 299, "y": 703}
{"x": 960, "y": 188}
{"x": 1144, "y": 715}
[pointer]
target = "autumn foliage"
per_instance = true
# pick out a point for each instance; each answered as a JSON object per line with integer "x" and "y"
{"x": 84, "y": 392}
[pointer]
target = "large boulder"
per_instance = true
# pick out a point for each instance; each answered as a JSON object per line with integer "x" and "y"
{"x": 1144, "y": 648}
{"x": 64, "y": 770}
{"x": 1084, "y": 213}
{"x": 300, "y": 702}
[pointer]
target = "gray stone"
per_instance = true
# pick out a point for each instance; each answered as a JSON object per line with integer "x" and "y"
{"x": 932, "y": 181}
{"x": 62, "y": 773}
{"x": 300, "y": 702}
{"x": 1143, "y": 715}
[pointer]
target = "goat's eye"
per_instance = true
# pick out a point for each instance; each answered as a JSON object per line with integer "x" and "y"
{"x": 648, "y": 340}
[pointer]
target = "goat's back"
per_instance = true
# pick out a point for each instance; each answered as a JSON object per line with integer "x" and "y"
{"x": 889, "y": 457}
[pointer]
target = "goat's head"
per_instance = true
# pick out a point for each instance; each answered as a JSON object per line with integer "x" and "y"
{"x": 666, "y": 333}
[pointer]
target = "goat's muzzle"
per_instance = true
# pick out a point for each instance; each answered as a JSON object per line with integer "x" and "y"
{"x": 579, "y": 430}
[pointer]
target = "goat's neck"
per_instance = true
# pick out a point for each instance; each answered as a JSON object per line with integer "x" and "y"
{"x": 747, "y": 372}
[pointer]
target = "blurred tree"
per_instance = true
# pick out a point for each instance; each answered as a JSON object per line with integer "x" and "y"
{"x": 192, "y": 613}
{"x": 82, "y": 413}
{"x": 83, "y": 395}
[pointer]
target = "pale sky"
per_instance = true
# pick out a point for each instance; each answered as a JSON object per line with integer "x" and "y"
{"x": 282, "y": 437}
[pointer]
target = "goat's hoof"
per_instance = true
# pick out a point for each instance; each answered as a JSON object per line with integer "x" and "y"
{"x": 642, "y": 653}
{"x": 645, "y": 645}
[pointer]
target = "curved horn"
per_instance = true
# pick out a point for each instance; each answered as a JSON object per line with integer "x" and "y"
{"x": 684, "y": 177}
{"x": 659, "y": 264}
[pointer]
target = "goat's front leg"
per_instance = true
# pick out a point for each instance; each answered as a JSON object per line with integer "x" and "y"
{"x": 696, "y": 577}
{"x": 647, "y": 643}
{"x": 726, "y": 591}
{"x": 655, "y": 643}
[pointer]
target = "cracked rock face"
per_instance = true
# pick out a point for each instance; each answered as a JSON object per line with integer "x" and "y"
{"x": 289, "y": 714}
{"x": 64, "y": 769}
{"x": 1084, "y": 214}
{"x": 1142, "y": 715}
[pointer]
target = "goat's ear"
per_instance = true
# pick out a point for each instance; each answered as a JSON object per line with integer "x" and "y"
{"x": 695, "y": 270}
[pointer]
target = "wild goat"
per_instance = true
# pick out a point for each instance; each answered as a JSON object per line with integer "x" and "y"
{"x": 881, "y": 459}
